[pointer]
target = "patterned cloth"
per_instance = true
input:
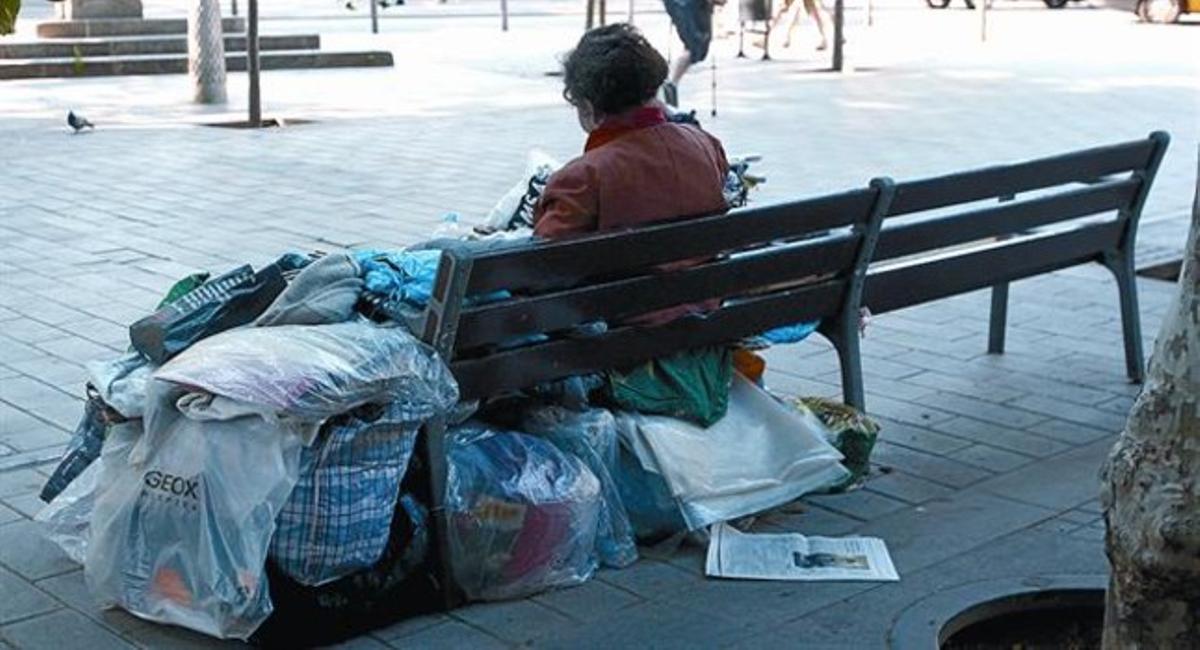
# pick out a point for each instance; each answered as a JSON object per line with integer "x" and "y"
{"x": 338, "y": 517}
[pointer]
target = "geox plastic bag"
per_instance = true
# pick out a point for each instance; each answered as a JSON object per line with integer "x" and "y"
{"x": 67, "y": 519}
{"x": 523, "y": 514}
{"x": 233, "y": 299}
{"x": 591, "y": 436}
{"x": 337, "y": 519}
{"x": 181, "y": 536}
{"x": 313, "y": 372}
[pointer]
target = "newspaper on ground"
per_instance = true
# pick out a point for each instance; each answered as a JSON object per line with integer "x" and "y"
{"x": 792, "y": 556}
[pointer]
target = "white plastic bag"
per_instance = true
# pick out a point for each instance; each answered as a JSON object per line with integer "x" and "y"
{"x": 760, "y": 455}
{"x": 67, "y": 520}
{"x": 181, "y": 535}
{"x": 514, "y": 210}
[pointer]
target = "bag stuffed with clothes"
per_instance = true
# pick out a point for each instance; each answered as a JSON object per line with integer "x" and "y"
{"x": 591, "y": 436}
{"x": 180, "y": 530}
{"x": 691, "y": 385}
{"x": 315, "y": 372}
{"x": 338, "y": 517}
{"x": 523, "y": 515}
{"x": 514, "y": 210}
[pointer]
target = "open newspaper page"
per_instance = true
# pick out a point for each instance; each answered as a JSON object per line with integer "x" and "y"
{"x": 792, "y": 556}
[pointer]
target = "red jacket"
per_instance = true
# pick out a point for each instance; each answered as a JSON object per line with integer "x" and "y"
{"x": 635, "y": 169}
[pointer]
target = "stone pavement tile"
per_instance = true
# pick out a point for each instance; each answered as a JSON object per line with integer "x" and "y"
{"x": 791, "y": 385}
{"x": 1121, "y": 405}
{"x": 650, "y": 579}
{"x": 860, "y": 504}
{"x": 8, "y": 515}
{"x": 27, "y": 330}
{"x": 15, "y": 421}
{"x": 53, "y": 370}
{"x": 24, "y": 550}
{"x": 48, "y": 311}
{"x": 45, "y": 436}
{"x": 1069, "y": 432}
{"x": 27, "y": 505}
{"x": 20, "y": 481}
{"x": 811, "y": 520}
{"x": 451, "y": 635}
{"x": 409, "y": 627}
{"x": 12, "y": 351}
{"x": 1003, "y": 437}
{"x": 1089, "y": 533}
{"x": 1087, "y": 416}
{"x": 962, "y": 386}
{"x": 921, "y": 537}
{"x": 62, "y": 629}
{"x": 905, "y": 487}
{"x": 1004, "y": 415}
{"x": 75, "y": 349}
{"x": 666, "y": 625}
{"x": 919, "y": 438}
{"x": 991, "y": 458}
{"x": 588, "y": 601}
{"x": 100, "y": 331}
{"x": 906, "y": 412}
{"x": 360, "y": 643}
{"x": 927, "y": 466}
{"x": 510, "y": 620}
{"x": 21, "y": 600}
{"x": 900, "y": 389}
{"x": 1059, "y": 482}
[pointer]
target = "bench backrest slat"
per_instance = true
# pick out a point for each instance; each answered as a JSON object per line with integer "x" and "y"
{"x": 566, "y": 263}
{"x": 1006, "y": 180}
{"x": 613, "y": 301}
{"x": 500, "y": 372}
{"x": 956, "y": 272}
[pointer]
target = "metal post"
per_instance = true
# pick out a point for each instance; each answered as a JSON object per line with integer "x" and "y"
{"x": 374, "y": 16}
{"x": 982, "y": 20}
{"x": 233, "y": 8}
{"x": 870, "y": 13}
{"x": 591, "y": 9}
{"x": 603, "y": 12}
{"x": 630, "y": 20}
{"x": 504, "y": 15}
{"x": 839, "y": 14}
{"x": 206, "y": 52}
{"x": 252, "y": 64}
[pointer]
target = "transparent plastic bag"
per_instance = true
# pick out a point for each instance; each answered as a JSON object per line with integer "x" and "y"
{"x": 523, "y": 514}
{"x": 337, "y": 519}
{"x": 760, "y": 455}
{"x": 514, "y": 210}
{"x": 181, "y": 536}
{"x": 313, "y": 372}
{"x": 591, "y": 436}
{"x": 67, "y": 519}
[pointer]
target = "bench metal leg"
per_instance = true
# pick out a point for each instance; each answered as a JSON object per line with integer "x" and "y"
{"x": 1131, "y": 323}
{"x": 435, "y": 459}
{"x": 999, "y": 319}
{"x": 844, "y": 336}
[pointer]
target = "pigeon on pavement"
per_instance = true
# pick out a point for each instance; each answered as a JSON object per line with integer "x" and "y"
{"x": 78, "y": 122}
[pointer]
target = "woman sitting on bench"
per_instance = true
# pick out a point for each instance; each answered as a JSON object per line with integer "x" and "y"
{"x": 637, "y": 167}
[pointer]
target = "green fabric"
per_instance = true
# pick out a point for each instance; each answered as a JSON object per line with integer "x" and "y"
{"x": 182, "y": 288}
{"x": 691, "y": 385}
{"x": 853, "y": 433}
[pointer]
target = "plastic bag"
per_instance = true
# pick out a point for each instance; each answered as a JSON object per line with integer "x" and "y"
{"x": 760, "y": 455}
{"x": 67, "y": 519}
{"x": 692, "y": 385}
{"x": 337, "y": 519}
{"x": 523, "y": 514}
{"x": 591, "y": 436}
{"x": 514, "y": 210}
{"x": 83, "y": 448}
{"x": 316, "y": 372}
{"x": 851, "y": 432}
{"x": 122, "y": 382}
{"x": 653, "y": 511}
{"x": 181, "y": 537}
{"x": 233, "y": 299}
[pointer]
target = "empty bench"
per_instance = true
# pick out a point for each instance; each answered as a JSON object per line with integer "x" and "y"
{"x": 886, "y": 246}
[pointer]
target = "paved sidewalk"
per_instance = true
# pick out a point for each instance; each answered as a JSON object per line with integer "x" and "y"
{"x": 987, "y": 465}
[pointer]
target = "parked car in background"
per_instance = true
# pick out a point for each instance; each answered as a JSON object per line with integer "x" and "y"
{"x": 942, "y": 4}
{"x": 1164, "y": 11}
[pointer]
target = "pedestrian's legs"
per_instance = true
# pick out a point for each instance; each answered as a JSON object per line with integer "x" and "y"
{"x": 814, "y": 9}
{"x": 679, "y": 66}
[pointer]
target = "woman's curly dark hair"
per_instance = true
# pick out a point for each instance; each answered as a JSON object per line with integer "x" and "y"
{"x": 614, "y": 68}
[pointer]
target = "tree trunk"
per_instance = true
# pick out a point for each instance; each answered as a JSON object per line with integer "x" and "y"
{"x": 1151, "y": 487}
{"x": 206, "y": 52}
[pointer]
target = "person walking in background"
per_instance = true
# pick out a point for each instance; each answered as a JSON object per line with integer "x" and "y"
{"x": 812, "y": 8}
{"x": 693, "y": 22}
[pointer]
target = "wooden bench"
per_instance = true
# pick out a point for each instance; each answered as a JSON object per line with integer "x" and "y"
{"x": 776, "y": 265}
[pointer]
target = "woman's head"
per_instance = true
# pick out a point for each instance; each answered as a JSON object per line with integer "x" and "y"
{"x": 612, "y": 70}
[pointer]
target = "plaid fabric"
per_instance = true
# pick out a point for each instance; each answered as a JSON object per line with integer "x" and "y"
{"x": 338, "y": 517}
